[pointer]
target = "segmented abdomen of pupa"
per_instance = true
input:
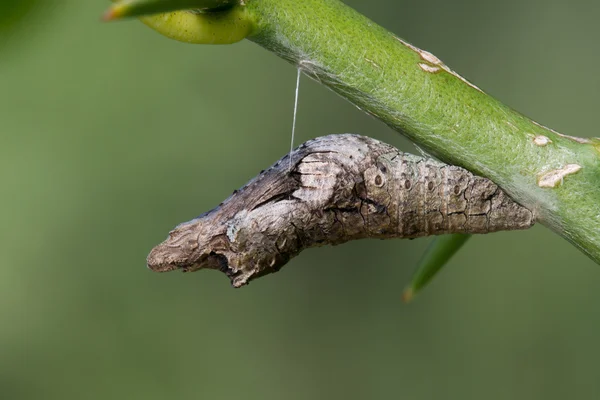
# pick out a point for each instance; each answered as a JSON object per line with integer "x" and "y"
{"x": 432, "y": 198}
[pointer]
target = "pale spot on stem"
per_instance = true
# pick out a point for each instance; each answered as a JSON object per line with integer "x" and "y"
{"x": 552, "y": 179}
{"x": 433, "y": 64}
{"x": 430, "y": 58}
{"x": 429, "y": 68}
{"x": 573, "y": 138}
{"x": 541, "y": 140}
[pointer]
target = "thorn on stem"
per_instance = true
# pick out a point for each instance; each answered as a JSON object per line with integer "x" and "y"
{"x": 408, "y": 295}
{"x": 115, "y": 12}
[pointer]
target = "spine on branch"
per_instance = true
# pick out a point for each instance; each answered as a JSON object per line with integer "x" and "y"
{"x": 340, "y": 188}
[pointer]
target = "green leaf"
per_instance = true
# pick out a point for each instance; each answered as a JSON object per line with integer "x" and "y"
{"x": 12, "y": 12}
{"x": 439, "y": 252}
{"x": 139, "y": 8}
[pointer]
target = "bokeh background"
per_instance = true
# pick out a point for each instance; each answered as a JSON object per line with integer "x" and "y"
{"x": 111, "y": 135}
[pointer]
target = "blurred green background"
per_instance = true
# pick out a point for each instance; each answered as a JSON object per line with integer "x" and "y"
{"x": 112, "y": 135}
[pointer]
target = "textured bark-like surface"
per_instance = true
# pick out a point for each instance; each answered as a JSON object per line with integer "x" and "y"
{"x": 340, "y": 188}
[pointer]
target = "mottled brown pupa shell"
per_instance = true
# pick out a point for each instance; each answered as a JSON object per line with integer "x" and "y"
{"x": 339, "y": 188}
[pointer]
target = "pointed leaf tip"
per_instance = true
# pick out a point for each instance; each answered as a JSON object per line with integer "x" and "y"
{"x": 112, "y": 14}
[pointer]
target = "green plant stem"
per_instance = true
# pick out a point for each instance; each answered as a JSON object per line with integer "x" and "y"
{"x": 417, "y": 95}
